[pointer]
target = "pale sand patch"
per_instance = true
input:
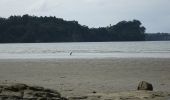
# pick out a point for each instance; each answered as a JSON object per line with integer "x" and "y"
{"x": 84, "y": 76}
{"x": 130, "y": 95}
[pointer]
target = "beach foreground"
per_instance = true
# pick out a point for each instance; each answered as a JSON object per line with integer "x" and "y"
{"x": 80, "y": 77}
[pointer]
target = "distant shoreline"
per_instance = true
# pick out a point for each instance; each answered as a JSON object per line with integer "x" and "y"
{"x": 83, "y": 42}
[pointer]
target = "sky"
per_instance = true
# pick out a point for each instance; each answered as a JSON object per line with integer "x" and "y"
{"x": 154, "y": 14}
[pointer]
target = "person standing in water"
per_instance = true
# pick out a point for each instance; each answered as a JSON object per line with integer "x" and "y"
{"x": 71, "y": 53}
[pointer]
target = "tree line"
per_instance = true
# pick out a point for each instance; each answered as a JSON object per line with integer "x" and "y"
{"x": 157, "y": 37}
{"x": 33, "y": 29}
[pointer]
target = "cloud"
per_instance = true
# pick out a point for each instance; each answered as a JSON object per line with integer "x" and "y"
{"x": 154, "y": 14}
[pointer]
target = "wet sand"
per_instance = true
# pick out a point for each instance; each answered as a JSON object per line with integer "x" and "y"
{"x": 74, "y": 77}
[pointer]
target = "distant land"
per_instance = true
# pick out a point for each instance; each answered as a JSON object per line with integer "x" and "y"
{"x": 157, "y": 37}
{"x": 33, "y": 29}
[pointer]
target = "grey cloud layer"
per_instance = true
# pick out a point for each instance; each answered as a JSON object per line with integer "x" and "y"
{"x": 155, "y": 14}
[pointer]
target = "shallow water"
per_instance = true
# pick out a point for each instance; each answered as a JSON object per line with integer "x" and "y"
{"x": 149, "y": 49}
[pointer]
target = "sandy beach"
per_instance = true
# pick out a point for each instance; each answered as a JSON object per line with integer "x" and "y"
{"x": 74, "y": 77}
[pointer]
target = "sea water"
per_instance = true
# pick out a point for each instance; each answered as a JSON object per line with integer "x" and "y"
{"x": 144, "y": 49}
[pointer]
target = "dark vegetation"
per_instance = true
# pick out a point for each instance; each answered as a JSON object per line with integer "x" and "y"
{"x": 32, "y": 29}
{"x": 157, "y": 37}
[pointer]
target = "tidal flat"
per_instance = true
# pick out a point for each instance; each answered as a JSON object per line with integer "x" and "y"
{"x": 74, "y": 77}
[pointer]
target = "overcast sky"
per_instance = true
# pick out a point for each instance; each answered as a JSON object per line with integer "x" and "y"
{"x": 154, "y": 14}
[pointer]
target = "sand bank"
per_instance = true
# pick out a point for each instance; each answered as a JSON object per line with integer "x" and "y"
{"x": 84, "y": 76}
